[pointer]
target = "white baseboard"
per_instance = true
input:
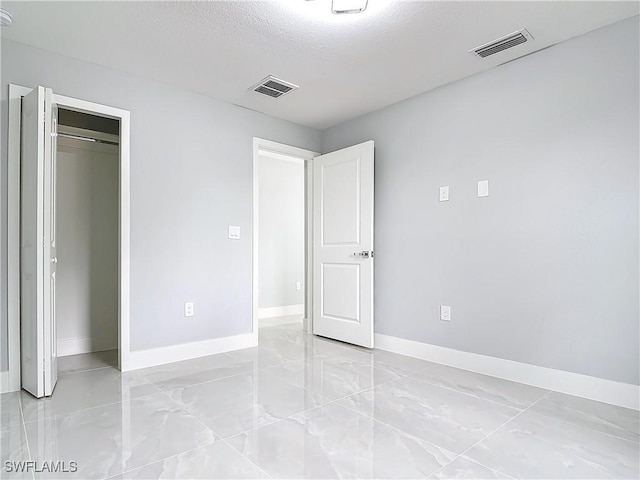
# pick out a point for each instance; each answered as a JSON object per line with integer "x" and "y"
{"x": 269, "y": 312}
{"x": 4, "y": 382}
{"x": 78, "y": 345}
{"x": 275, "y": 321}
{"x": 608, "y": 391}
{"x": 187, "y": 351}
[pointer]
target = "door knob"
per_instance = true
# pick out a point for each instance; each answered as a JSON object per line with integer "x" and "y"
{"x": 363, "y": 254}
{"x": 54, "y": 260}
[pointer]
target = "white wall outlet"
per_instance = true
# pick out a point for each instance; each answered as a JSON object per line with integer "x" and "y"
{"x": 298, "y": 285}
{"x": 483, "y": 188}
{"x": 188, "y": 309}
{"x": 234, "y": 232}
{"x": 445, "y": 313}
{"x": 444, "y": 193}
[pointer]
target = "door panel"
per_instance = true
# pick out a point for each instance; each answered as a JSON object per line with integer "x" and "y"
{"x": 31, "y": 234}
{"x": 50, "y": 255}
{"x": 341, "y": 226}
{"x": 36, "y": 283}
{"x": 341, "y": 292}
{"x": 343, "y": 245}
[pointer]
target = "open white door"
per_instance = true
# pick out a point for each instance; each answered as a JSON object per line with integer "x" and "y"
{"x": 343, "y": 245}
{"x": 37, "y": 259}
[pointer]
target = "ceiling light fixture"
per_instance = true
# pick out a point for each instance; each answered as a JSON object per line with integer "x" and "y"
{"x": 5, "y": 18}
{"x": 348, "y": 6}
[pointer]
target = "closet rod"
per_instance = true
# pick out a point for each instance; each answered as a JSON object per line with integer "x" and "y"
{"x": 87, "y": 139}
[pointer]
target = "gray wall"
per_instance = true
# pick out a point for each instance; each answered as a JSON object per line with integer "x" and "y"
{"x": 87, "y": 244}
{"x": 281, "y": 232}
{"x": 544, "y": 270}
{"x": 191, "y": 177}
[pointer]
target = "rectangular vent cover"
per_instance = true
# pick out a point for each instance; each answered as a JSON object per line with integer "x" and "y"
{"x": 273, "y": 87}
{"x": 501, "y": 44}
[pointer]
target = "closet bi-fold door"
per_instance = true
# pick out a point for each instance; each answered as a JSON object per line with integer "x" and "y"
{"x": 38, "y": 244}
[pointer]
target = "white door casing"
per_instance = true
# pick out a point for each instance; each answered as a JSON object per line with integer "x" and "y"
{"x": 37, "y": 273}
{"x": 343, "y": 244}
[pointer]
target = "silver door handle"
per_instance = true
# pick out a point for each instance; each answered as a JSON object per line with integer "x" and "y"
{"x": 363, "y": 254}
{"x": 54, "y": 260}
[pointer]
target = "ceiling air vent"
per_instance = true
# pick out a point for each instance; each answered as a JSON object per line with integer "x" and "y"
{"x": 508, "y": 41}
{"x": 273, "y": 87}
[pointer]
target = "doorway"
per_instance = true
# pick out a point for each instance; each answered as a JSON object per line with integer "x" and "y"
{"x": 33, "y": 341}
{"x": 338, "y": 237}
{"x": 87, "y": 159}
{"x": 282, "y": 232}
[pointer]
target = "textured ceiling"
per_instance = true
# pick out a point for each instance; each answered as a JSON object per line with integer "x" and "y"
{"x": 346, "y": 65}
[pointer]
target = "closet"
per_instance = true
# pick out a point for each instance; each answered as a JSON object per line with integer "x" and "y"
{"x": 87, "y": 195}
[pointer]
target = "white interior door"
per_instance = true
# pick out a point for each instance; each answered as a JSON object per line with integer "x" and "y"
{"x": 37, "y": 264}
{"x": 343, "y": 245}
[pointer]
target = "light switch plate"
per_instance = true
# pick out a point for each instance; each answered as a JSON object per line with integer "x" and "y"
{"x": 445, "y": 313}
{"x": 483, "y": 188}
{"x": 234, "y": 232}
{"x": 444, "y": 193}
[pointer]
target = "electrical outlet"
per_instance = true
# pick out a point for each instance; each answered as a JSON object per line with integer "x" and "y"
{"x": 188, "y": 309}
{"x": 444, "y": 193}
{"x": 445, "y": 313}
{"x": 298, "y": 285}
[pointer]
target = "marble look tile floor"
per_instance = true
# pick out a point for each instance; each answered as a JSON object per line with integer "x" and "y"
{"x": 299, "y": 406}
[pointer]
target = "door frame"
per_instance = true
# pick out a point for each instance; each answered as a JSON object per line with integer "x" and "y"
{"x": 307, "y": 156}
{"x": 16, "y": 92}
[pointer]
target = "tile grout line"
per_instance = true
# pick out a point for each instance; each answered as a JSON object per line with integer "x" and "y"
{"x": 400, "y": 375}
{"x": 250, "y": 370}
{"x": 220, "y": 438}
{"x": 182, "y": 409}
{"x": 328, "y": 402}
{"x": 547, "y": 392}
{"x": 585, "y": 427}
{"x": 396, "y": 429}
{"x": 162, "y": 387}
{"x": 24, "y": 429}
{"x": 56, "y": 417}
{"x": 392, "y": 427}
{"x": 246, "y": 458}
{"x": 66, "y": 374}
{"x": 411, "y": 375}
{"x": 73, "y": 412}
{"x": 491, "y": 433}
{"x": 481, "y": 398}
{"x": 159, "y": 460}
{"x": 407, "y": 433}
{"x": 476, "y": 462}
{"x": 290, "y": 382}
